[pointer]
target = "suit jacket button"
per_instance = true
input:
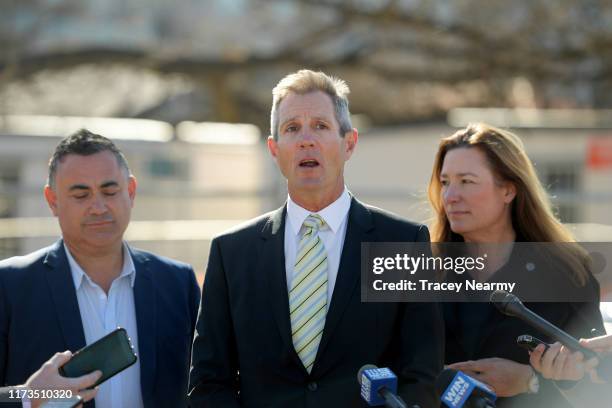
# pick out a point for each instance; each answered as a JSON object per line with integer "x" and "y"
{"x": 312, "y": 386}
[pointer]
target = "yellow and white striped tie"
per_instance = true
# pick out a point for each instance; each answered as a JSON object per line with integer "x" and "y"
{"x": 308, "y": 293}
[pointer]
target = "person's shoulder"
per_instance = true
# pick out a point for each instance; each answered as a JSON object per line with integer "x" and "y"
{"x": 19, "y": 269}
{"x": 168, "y": 272}
{"x": 382, "y": 215}
{"x": 389, "y": 221}
{"x": 250, "y": 228}
{"x": 141, "y": 256}
{"x": 27, "y": 261}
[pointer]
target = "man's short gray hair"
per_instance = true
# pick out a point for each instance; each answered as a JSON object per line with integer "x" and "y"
{"x": 306, "y": 81}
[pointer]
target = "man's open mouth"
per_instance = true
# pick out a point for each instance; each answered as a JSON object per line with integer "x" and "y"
{"x": 309, "y": 163}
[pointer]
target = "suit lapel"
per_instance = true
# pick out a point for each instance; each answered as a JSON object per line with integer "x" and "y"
{"x": 61, "y": 284}
{"x": 272, "y": 265}
{"x": 145, "y": 302}
{"x": 349, "y": 271}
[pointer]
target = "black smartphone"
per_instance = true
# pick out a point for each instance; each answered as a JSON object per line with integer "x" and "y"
{"x": 529, "y": 343}
{"x": 111, "y": 354}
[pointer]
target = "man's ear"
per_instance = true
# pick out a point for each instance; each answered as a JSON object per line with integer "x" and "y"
{"x": 350, "y": 142}
{"x": 273, "y": 147}
{"x": 132, "y": 184}
{"x": 51, "y": 199}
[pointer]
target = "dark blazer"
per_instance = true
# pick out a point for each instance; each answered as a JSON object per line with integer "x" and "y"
{"x": 39, "y": 316}
{"x": 243, "y": 354}
{"x": 478, "y": 330}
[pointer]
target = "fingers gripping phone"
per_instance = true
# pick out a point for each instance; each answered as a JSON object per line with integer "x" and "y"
{"x": 529, "y": 343}
{"x": 111, "y": 354}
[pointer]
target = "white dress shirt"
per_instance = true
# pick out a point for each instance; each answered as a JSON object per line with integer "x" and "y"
{"x": 332, "y": 234}
{"x": 100, "y": 315}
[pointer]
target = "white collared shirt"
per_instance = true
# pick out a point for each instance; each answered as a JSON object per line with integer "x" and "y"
{"x": 332, "y": 234}
{"x": 100, "y": 315}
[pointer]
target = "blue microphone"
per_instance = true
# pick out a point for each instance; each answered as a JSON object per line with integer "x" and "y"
{"x": 458, "y": 390}
{"x": 379, "y": 387}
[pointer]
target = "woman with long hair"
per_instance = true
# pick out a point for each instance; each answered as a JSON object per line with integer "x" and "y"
{"x": 484, "y": 190}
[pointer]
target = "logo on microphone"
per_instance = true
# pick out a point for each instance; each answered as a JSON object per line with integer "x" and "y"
{"x": 458, "y": 391}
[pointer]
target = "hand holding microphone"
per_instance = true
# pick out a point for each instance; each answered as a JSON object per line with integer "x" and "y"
{"x": 560, "y": 363}
{"x": 567, "y": 367}
{"x": 601, "y": 344}
{"x": 506, "y": 378}
{"x": 511, "y": 305}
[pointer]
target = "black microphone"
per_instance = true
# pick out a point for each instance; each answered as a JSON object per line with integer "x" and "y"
{"x": 511, "y": 305}
{"x": 458, "y": 390}
{"x": 379, "y": 386}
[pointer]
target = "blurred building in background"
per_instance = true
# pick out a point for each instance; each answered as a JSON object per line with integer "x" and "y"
{"x": 215, "y": 174}
{"x": 185, "y": 89}
{"x": 197, "y": 179}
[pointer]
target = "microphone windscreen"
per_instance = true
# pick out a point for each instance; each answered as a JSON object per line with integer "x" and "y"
{"x": 505, "y": 302}
{"x": 362, "y": 369}
{"x": 498, "y": 296}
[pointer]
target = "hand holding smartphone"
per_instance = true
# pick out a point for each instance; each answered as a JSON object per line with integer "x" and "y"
{"x": 111, "y": 354}
{"x": 529, "y": 342}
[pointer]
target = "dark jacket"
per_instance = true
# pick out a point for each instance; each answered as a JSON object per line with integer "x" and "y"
{"x": 243, "y": 355}
{"x": 39, "y": 316}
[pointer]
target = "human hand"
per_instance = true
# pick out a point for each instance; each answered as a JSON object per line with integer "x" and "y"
{"x": 601, "y": 344}
{"x": 507, "y": 378}
{"x": 49, "y": 378}
{"x": 560, "y": 363}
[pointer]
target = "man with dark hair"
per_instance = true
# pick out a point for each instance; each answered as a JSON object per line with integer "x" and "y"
{"x": 84, "y": 143}
{"x": 90, "y": 281}
{"x": 282, "y": 324}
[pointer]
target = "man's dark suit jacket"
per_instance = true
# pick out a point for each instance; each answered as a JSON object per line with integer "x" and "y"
{"x": 243, "y": 353}
{"x": 39, "y": 316}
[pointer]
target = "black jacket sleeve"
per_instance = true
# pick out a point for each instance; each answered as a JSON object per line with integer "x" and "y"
{"x": 422, "y": 351}
{"x": 213, "y": 379}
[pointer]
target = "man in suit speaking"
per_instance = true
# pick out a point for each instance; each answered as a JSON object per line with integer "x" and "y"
{"x": 91, "y": 281}
{"x": 281, "y": 323}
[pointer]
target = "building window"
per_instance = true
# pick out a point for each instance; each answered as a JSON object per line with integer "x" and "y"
{"x": 159, "y": 167}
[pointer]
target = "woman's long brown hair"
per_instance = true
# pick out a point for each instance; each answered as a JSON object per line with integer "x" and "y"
{"x": 532, "y": 216}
